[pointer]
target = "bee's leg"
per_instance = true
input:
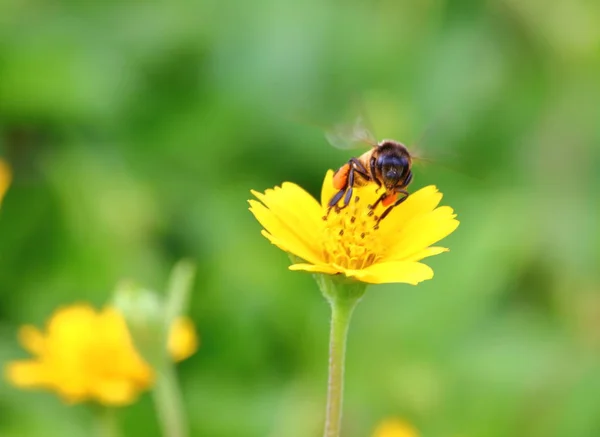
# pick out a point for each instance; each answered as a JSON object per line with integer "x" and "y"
{"x": 395, "y": 204}
{"x": 356, "y": 167}
{"x": 359, "y": 168}
{"x": 334, "y": 200}
{"x": 349, "y": 190}
{"x": 377, "y": 202}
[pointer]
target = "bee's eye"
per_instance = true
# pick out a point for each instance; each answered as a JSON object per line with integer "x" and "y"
{"x": 392, "y": 162}
{"x": 383, "y": 162}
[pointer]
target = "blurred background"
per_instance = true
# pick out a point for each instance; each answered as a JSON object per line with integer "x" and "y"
{"x": 136, "y": 130}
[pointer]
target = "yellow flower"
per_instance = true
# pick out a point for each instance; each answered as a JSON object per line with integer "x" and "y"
{"x": 395, "y": 428}
{"x": 89, "y": 355}
{"x": 5, "y": 178}
{"x": 183, "y": 340}
{"x": 347, "y": 242}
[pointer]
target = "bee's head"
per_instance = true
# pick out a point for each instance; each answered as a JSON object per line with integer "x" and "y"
{"x": 393, "y": 164}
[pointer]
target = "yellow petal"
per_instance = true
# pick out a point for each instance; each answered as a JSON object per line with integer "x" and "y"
{"x": 320, "y": 268}
{"x": 425, "y": 253}
{"x": 284, "y": 235}
{"x": 395, "y": 428}
{"x": 116, "y": 392}
{"x": 293, "y": 206}
{"x": 112, "y": 326}
{"x": 5, "y": 178}
{"x": 305, "y": 206}
{"x": 183, "y": 340}
{"x": 71, "y": 397}
{"x": 26, "y": 374}
{"x": 418, "y": 203}
{"x": 327, "y": 190}
{"x": 292, "y": 247}
{"x": 74, "y": 321}
{"x": 31, "y": 339}
{"x": 408, "y": 272}
{"x": 421, "y": 232}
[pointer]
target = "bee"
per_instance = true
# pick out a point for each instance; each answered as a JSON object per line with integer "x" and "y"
{"x": 388, "y": 164}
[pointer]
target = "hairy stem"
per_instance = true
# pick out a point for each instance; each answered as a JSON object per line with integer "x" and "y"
{"x": 343, "y": 299}
{"x": 169, "y": 405}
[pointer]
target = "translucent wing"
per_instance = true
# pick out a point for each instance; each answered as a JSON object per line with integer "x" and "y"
{"x": 441, "y": 132}
{"x": 353, "y": 136}
{"x": 428, "y": 160}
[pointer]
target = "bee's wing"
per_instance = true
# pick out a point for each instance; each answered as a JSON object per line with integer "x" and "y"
{"x": 350, "y": 136}
{"x": 428, "y": 160}
{"x": 426, "y": 155}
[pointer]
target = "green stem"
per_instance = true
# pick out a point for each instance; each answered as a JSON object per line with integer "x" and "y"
{"x": 105, "y": 421}
{"x": 343, "y": 299}
{"x": 168, "y": 401}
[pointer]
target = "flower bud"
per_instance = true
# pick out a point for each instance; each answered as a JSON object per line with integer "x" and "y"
{"x": 144, "y": 312}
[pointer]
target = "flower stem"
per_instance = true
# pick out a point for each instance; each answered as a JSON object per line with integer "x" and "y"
{"x": 168, "y": 401}
{"x": 343, "y": 299}
{"x": 105, "y": 421}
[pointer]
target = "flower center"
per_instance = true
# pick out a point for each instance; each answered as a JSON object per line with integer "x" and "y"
{"x": 350, "y": 239}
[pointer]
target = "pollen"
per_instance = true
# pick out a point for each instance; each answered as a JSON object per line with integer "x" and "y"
{"x": 350, "y": 237}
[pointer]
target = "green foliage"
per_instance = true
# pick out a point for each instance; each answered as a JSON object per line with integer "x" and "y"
{"x": 136, "y": 130}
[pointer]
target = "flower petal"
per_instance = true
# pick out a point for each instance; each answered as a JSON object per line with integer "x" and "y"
{"x": 281, "y": 234}
{"x": 71, "y": 394}
{"x": 26, "y": 374}
{"x": 426, "y": 253}
{"x": 117, "y": 392}
{"x": 408, "y": 272}
{"x": 421, "y": 232}
{"x": 286, "y": 246}
{"x": 395, "y": 428}
{"x": 297, "y": 213}
{"x": 320, "y": 268}
{"x": 418, "y": 203}
{"x": 5, "y": 178}
{"x": 183, "y": 340}
{"x": 327, "y": 190}
{"x": 293, "y": 206}
{"x": 31, "y": 339}
{"x": 72, "y": 322}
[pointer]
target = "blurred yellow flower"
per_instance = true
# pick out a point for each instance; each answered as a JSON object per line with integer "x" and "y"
{"x": 5, "y": 178}
{"x": 395, "y": 428}
{"x": 183, "y": 340}
{"x": 347, "y": 241}
{"x": 89, "y": 355}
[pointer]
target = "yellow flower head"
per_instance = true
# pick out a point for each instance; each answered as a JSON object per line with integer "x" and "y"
{"x": 347, "y": 241}
{"x": 395, "y": 428}
{"x": 89, "y": 355}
